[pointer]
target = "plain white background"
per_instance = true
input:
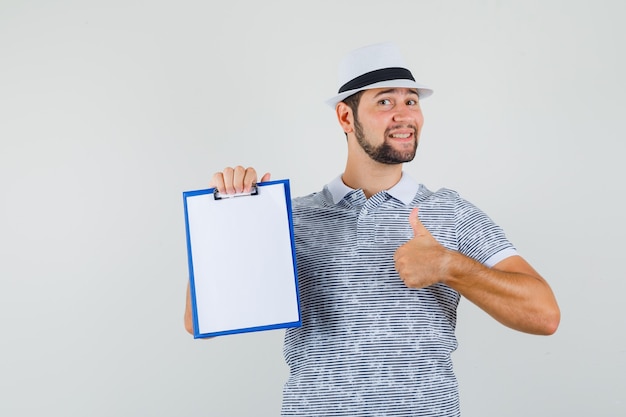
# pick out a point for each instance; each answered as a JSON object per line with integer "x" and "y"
{"x": 109, "y": 110}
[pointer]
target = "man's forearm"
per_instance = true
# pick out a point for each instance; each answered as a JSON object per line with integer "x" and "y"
{"x": 512, "y": 292}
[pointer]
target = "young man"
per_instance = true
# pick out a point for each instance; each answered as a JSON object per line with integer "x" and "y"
{"x": 383, "y": 261}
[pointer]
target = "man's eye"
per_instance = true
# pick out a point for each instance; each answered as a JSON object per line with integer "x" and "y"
{"x": 411, "y": 102}
{"x": 385, "y": 101}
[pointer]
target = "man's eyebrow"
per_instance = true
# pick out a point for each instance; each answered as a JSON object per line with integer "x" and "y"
{"x": 395, "y": 90}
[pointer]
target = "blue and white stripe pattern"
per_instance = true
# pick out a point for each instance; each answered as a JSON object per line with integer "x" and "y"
{"x": 370, "y": 346}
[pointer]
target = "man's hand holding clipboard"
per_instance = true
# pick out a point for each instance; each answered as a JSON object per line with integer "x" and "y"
{"x": 236, "y": 180}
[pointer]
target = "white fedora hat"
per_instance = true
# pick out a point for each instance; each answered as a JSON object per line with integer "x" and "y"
{"x": 374, "y": 66}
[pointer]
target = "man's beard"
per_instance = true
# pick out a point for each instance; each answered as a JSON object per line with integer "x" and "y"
{"x": 385, "y": 153}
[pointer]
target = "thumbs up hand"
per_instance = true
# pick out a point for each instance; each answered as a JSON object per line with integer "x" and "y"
{"x": 421, "y": 261}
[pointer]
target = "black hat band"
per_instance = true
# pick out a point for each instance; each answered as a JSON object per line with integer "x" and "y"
{"x": 376, "y": 76}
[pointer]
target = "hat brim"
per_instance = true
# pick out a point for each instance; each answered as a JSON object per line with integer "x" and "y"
{"x": 422, "y": 90}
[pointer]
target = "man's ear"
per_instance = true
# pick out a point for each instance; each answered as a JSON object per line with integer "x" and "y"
{"x": 345, "y": 117}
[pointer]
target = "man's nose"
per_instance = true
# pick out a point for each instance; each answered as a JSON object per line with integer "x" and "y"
{"x": 403, "y": 113}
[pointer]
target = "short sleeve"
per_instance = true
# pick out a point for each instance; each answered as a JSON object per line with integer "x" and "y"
{"x": 478, "y": 236}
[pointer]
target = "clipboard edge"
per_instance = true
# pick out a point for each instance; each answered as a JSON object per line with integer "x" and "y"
{"x": 243, "y": 330}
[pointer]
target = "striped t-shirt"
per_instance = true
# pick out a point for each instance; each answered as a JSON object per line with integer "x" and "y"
{"x": 368, "y": 345}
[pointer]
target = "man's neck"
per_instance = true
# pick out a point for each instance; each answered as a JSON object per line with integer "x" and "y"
{"x": 372, "y": 177}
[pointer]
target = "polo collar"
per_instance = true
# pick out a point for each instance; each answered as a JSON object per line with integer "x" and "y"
{"x": 405, "y": 190}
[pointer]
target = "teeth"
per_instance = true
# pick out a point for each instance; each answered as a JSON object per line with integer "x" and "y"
{"x": 401, "y": 136}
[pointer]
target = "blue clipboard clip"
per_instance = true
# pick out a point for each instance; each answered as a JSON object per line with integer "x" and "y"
{"x": 219, "y": 196}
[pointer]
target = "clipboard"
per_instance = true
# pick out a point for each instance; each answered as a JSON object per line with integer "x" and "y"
{"x": 242, "y": 264}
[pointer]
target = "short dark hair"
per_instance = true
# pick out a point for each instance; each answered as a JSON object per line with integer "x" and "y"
{"x": 353, "y": 101}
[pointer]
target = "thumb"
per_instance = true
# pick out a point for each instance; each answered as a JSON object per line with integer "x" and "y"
{"x": 416, "y": 224}
{"x": 265, "y": 177}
